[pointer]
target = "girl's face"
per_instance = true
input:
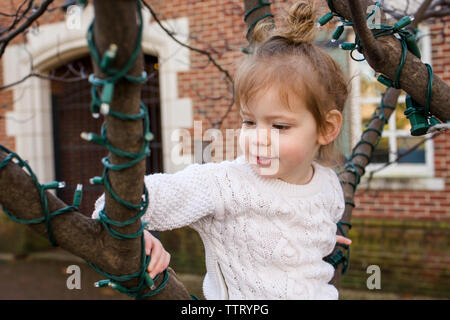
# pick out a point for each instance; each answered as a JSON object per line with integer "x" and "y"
{"x": 277, "y": 142}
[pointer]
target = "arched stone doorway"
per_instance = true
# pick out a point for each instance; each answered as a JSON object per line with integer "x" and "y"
{"x": 76, "y": 160}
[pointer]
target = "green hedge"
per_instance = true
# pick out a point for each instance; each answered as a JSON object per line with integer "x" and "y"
{"x": 412, "y": 256}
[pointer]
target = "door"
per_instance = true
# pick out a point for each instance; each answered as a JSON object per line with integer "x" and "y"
{"x": 76, "y": 160}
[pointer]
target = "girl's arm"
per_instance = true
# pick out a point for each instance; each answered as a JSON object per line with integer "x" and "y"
{"x": 179, "y": 199}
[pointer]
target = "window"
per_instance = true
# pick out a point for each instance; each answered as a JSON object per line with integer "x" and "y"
{"x": 396, "y": 138}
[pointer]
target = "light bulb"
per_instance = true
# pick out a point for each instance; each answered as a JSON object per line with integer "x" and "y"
{"x": 86, "y": 136}
{"x": 96, "y": 180}
{"x": 104, "y": 109}
{"x": 149, "y": 136}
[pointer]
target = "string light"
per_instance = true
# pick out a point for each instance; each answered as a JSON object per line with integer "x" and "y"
{"x": 102, "y": 105}
{"x": 420, "y": 117}
{"x": 13, "y": 157}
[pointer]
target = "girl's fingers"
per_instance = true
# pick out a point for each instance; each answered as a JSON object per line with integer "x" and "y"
{"x": 161, "y": 264}
{"x": 343, "y": 240}
{"x": 160, "y": 258}
{"x": 155, "y": 257}
{"x": 148, "y": 242}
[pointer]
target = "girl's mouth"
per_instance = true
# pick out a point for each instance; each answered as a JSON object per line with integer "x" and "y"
{"x": 263, "y": 161}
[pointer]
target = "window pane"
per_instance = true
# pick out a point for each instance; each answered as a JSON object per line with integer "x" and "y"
{"x": 367, "y": 109}
{"x": 370, "y": 87}
{"x": 381, "y": 152}
{"x": 406, "y": 143}
{"x": 401, "y": 121}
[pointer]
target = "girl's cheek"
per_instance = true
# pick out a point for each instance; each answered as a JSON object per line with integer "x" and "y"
{"x": 291, "y": 150}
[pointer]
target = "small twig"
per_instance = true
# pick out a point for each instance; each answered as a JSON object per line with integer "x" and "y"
{"x": 204, "y": 52}
{"x": 30, "y": 20}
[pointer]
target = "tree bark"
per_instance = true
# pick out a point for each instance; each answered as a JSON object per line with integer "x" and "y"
{"x": 74, "y": 231}
{"x": 253, "y": 16}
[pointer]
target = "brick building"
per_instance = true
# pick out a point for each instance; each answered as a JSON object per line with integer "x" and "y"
{"x": 401, "y": 216}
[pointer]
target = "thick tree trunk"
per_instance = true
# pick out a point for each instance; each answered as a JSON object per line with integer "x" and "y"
{"x": 73, "y": 231}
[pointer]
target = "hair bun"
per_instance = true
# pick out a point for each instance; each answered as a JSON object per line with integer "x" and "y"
{"x": 300, "y": 22}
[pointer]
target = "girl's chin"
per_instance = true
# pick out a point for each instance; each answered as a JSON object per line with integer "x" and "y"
{"x": 267, "y": 171}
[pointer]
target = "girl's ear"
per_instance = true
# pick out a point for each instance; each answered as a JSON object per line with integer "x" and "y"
{"x": 333, "y": 123}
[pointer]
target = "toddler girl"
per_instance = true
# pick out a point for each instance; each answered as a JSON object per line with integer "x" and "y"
{"x": 268, "y": 218}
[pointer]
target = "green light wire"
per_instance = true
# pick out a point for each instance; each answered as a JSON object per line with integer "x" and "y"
{"x": 338, "y": 257}
{"x": 261, "y": 3}
{"x": 407, "y": 39}
{"x": 144, "y": 279}
{"x": 43, "y": 198}
{"x": 429, "y": 88}
{"x": 101, "y": 105}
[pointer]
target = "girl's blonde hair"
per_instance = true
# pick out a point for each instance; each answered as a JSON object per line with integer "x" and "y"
{"x": 287, "y": 58}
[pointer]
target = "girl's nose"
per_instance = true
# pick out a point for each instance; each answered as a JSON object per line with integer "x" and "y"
{"x": 263, "y": 137}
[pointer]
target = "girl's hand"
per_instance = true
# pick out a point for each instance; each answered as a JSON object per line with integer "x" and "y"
{"x": 343, "y": 240}
{"x": 160, "y": 258}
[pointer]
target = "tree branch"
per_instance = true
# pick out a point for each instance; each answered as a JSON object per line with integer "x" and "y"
{"x": 348, "y": 179}
{"x": 437, "y": 13}
{"x": 372, "y": 52}
{"x": 414, "y": 78}
{"x": 248, "y": 5}
{"x": 73, "y": 231}
{"x": 420, "y": 13}
{"x": 33, "y": 17}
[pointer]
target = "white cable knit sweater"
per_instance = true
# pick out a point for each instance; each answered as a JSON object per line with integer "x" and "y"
{"x": 264, "y": 238}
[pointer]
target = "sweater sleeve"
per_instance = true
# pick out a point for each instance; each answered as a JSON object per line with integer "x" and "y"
{"x": 179, "y": 199}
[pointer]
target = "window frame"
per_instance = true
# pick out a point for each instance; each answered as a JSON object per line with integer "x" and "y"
{"x": 396, "y": 169}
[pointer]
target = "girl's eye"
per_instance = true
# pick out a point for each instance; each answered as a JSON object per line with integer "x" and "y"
{"x": 248, "y": 123}
{"x": 280, "y": 127}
